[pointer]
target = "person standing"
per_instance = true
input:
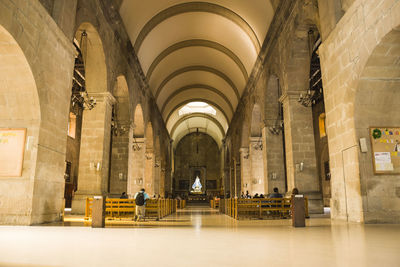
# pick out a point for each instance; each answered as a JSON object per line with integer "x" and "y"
{"x": 140, "y": 200}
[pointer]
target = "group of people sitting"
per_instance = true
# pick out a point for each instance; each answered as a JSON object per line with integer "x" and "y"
{"x": 274, "y": 194}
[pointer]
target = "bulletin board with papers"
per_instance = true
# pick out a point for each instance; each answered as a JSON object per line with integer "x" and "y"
{"x": 12, "y": 144}
{"x": 385, "y": 142}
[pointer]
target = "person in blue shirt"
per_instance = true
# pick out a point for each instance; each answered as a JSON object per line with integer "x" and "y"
{"x": 140, "y": 200}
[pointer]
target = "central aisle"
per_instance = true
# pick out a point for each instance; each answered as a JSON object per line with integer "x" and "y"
{"x": 200, "y": 236}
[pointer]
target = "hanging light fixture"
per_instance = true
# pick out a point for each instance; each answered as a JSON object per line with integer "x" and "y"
{"x": 80, "y": 95}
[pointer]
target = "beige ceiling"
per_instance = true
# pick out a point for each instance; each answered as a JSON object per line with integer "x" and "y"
{"x": 197, "y": 51}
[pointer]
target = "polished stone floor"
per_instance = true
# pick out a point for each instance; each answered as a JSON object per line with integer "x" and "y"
{"x": 200, "y": 236}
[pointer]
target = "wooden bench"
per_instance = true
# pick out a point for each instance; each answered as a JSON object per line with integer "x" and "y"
{"x": 260, "y": 208}
{"x": 117, "y": 208}
{"x": 180, "y": 203}
{"x": 214, "y": 203}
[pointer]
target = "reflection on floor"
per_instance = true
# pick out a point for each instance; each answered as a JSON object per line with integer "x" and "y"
{"x": 200, "y": 236}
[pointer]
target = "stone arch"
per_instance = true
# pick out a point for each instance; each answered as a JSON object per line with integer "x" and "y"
{"x": 46, "y": 128}
{"x": 138, "y": 121}
{"x": 119, "y": 141}
{"x": 137, "y": 153}
{"x": 150, "y": 160}
{"x": 20, "y": 109}
{"x": 149, "y": 136}
{"x": 298, "y": 118}
{"x": 245, "y": 132}
{"x": 92, "y": 49}
{"x": 157, "y": 167}
{"x": 121, "y": 94}
{"x": 256, "y": 121}
{"x": 376, "y": 105}
{"x": 272, "y": 105}
{"x": 255, "y": 154}
{"x": 273, "y": 137}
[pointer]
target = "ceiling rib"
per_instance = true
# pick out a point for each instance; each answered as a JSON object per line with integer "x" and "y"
{"x": 197, "y": 68}
{"x": 195, "y": 100}
{"x": 196, "y": 7}
{"x": 199, "y": 86}
{"x": 196, "y": 115}
{"x": 198, "y": 43}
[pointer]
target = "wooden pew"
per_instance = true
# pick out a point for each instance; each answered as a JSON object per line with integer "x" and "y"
{"x": 260, "y": 207}
{"x": 117, "y": 208}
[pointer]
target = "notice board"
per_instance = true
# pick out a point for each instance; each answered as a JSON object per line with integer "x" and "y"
{"x": 12, "y": 143}
{"x": 385, "y": 143}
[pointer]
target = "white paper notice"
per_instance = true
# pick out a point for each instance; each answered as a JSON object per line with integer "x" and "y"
{"x": 382, "y": 157}
{"x": 383, "y": 161}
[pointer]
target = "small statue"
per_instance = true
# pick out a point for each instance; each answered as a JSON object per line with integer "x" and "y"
{"x": 197, "y": 185}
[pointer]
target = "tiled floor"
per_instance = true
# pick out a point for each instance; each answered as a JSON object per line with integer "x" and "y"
{"x": 199, "y": 236}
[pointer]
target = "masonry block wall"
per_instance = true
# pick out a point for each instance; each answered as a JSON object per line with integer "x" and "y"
{"x": 39, "y": 193}
{"x": 357, "y": 194}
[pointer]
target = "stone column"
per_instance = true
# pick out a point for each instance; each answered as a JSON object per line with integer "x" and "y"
{"x": 245, "y": 170}
{"x": 149, "y": 172}
{"x": 256, "y": 165}
{"x": 95, "y": 151}
{"x": 274, "y": 167}
{"x": 135, "y": 165}
{"x": 300, "y": 150}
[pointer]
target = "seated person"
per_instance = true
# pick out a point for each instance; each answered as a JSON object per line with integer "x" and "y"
{"x": 124, "y": 195}
{"x": 295, "y": 191}
{"x": 275, "y": 194}
{"x": 256, "y": 196}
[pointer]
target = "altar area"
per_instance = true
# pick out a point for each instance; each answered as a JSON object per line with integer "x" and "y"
{"x": 197, "y": 195}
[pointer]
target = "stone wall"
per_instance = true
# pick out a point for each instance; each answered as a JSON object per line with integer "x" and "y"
{"x": 344, "y": 55}
{"x": 37, "y": 196}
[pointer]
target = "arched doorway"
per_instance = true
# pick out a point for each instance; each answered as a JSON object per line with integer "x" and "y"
{"x": 94, "y": 155}
{"x": 376, "y": 109}
{"x": 197, "y": 155}
{"x": 20, "y": 120}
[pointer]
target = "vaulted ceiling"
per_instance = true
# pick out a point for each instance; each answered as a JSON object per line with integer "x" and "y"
{"x": 197, "y": 52}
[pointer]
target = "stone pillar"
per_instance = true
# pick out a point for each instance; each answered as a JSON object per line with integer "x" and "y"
{"x": 149, "y": 172}
{"x": 245, "y": 170}
{"x": 274, "y": 167}
{"x": 135, "y": 165}
{"x": 95, "y": 151}
{"x": 256, "y": 165}
{"x": 300, "y": 150}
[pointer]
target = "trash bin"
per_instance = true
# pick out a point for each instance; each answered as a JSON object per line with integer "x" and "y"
{"x": 98, "y": 212}
{"x": 298, "y": 211}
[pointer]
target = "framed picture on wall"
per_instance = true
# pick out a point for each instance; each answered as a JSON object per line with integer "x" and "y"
{"x": 12, "y": 147}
